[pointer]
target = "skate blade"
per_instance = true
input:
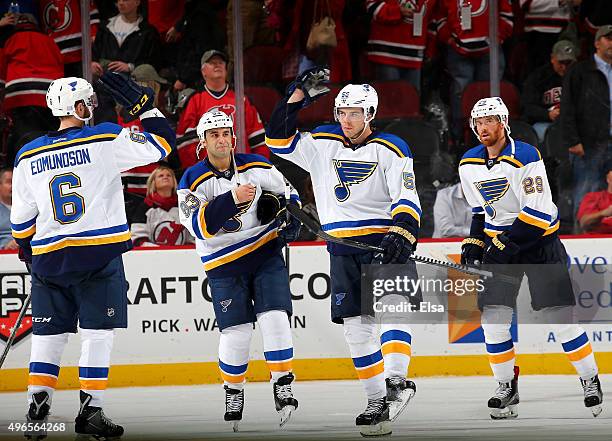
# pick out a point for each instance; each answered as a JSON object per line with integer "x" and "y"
{"x": 398, "y": 406}
{"x": 285, "y": 415}
{"x": 380, "y": 429}
{"x": 505, "y": 413}
{"x": 596, "y": 410}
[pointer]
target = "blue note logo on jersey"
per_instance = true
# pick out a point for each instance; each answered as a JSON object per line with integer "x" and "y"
{"x": 339, "y": 297}
{"x": 491, "y": 191}
{"x": 234, "y": 223}
{"x": 351, "y": 173}
{"x": 225, "y": 304}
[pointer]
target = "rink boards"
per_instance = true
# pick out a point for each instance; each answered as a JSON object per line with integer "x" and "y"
{"x": 172, "y": 337}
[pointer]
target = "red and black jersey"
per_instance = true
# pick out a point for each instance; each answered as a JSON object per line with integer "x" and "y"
{"x": 61, "y": 19}
{"x": 29, "y": 62}
{"x": 545, "y": 16}
{"x": 198, "y": 105}
{"x": 472, "y": 40}
{"x": 397, "y": 41}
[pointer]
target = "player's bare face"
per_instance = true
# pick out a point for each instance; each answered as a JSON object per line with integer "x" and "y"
{"x": 351, "y": 120}
{"x": 219, "y": 143}
{"x": 489, "y": 129}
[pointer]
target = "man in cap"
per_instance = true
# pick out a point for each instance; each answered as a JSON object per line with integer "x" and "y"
{"x": 586, "y": 118}
{"x": 542, "y": 92}
{"x": 217, "y": 94}
{"x": 595, "y": 213}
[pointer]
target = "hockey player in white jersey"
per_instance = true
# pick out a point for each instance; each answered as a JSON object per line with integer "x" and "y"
{"x": 364, "y": 186}
{"x": 514, "y": 227}
{"x": 69, "y": 220}
{"x": 234, "y": 207}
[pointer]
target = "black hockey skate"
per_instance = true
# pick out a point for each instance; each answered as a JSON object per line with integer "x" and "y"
{"x": 92, "y": 423}
{"x": 283, "y": 398}
{"x": 504, "y": 404}
{"x": 37, "y": 416}
{"x": 593, "y": 396}
{"x": 399, "y": 392}
{"x": 234, "y": 404}
{"x": 374, "y": 421}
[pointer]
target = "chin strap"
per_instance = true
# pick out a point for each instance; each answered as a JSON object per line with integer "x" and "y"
{"x": 366, "y": 121}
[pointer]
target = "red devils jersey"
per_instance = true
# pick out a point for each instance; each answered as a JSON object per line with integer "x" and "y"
{"x": 396, "y": 40}
{"x": 61, "y": 19}
{"x": 198, "y": 105}
{"x": 464, "y": 24}
{"x": 30, "y": 61}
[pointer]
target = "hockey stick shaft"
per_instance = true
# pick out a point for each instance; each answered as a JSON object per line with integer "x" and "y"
{"x": 9, "y": 342}
{"x": 314, "y": 227}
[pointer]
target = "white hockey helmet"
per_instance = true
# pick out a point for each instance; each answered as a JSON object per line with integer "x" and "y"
{"x": 213, "y": 119}
{"x": 64, "y": 93}
{"x": 493, "y": 106}
{"x": 357, "y": 95}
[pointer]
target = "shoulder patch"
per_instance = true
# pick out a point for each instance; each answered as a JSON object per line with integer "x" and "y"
{"x": 138, "y": 137}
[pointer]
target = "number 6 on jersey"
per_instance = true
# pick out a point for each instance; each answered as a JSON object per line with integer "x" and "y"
{"x": 68, "y": 207}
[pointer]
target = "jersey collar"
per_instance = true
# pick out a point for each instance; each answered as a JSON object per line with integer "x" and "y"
{"x": 227, "y": 174}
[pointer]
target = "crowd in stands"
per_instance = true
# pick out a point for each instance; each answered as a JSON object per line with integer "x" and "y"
{"x": 428, "y": 59}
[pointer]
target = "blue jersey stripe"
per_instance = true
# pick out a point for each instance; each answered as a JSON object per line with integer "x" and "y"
{"x": 89, "y": 233}
{"x": 38, "y": 367}
{"x": 396, "y": 334}
{"x": 496, "y": 348}
{"x": 408, "y": 203}
{"x": 233, "y": 370}
{"x": 367, "y": 360}
{"x": 93, "y": 372}
{"x": 576, "y": 343}
{"x": 360, "y": 223}
{"x": 238, "y": 245}
{"x": 283, "y": 354}
{"x": 23, "y": 225}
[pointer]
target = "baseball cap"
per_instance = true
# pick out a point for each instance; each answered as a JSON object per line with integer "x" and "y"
{"x": 564, "y": 50}
{"x": 146, "y": 72}
{"x": 603, "y": 31}
{"x": 211, "y": 53}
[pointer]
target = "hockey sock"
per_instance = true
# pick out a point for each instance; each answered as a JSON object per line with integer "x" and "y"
{"x": 578, "y": 348}
{"x": 45, "y": 359}
{"x": 96, "y": 346}
{"x": 234, "y": 346}
{"x": 277, "y": 342}
{"x": 362, "y": 337}
{"x": 496, "y": 322}
{"x": 396, "y": 341}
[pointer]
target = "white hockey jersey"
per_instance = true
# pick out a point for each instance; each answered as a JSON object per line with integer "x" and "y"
{"x": 229, "y": 237}
{"x": 360, "y": 191}
{"x": 68, "y": 197}
{"x": 511, "y": 190}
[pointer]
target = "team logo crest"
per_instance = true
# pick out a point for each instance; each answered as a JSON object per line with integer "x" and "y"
{"x": 225, "y": 304}
{"x": 110, "y": 312}
{"x": 408, "y": 179}
{"x": 234, "y": 224}
{"x": 14, "y": 288}
{"x": 491, "y": 191}
{"x": 191, "y": 204}
{"x": 351, "y": 173}
{"x": 138, "y": 137}
{"x": 57, "y": 15}
{"x": 339, "y": 297}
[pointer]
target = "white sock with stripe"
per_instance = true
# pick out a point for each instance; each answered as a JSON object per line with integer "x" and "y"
{"x": 496, "y": 321}
{"x": 234, "y": 346}
{"x": 277, "y": 342}
{"x": 45, "y": 358}
{"x": 578, "y": 349}
{"x": 361, "y": 335}
{"x": 96, "y": 347}
{"x": 396, "y": 342}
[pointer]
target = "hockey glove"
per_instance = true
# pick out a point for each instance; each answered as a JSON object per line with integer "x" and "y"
{"x": 269, "y": 205}
{"x": 134, "y": 98}
{"x": 313, "y": 82}
{"x": 472, "y": 250}
{"x": 398, "y": 243}
{"x": 289, "y": 227}
{"x": 501, "y": 250}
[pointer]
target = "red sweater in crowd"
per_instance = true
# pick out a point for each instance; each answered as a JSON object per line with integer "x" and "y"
{"x": 594, "y": 202}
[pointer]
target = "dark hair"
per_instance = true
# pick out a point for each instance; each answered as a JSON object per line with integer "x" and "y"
{"x": 4, "y": 170}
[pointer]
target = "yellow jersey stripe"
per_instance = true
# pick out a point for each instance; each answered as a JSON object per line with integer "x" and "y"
{"x": 66, "y": 143}
{"x": 279, "y": 142}
{"x": 358, "y": 232}
{"x": 581, "y": 353}
{"x": 200, "y": 179}
{"x": 405, "y": 209}
{"x": 396, "y": 347}
{"x": 25, "y": 233}
{"x": 80, "y": 242}
{"x": 202, "y": 220}
{"x": 241, "y": 252}
{"x": 163, "y": 143}
{"x": 392, "y": 146}
{"x": 501, "y": 358}
{"x": 512, "y": 160}
{"x": 531, "y": 220}
{"x": 371, "y": 371}
{"x": 472, "y": 161}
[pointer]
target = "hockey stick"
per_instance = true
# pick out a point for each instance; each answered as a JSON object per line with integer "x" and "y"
{"x": 9, "y": 342}
{"x": 313, "y": 226}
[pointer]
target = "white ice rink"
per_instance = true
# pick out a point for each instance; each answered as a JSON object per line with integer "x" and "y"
{"x": 444, "y": 408}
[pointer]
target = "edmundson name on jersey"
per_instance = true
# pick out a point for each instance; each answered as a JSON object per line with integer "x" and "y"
{"x": 59, "y": 160}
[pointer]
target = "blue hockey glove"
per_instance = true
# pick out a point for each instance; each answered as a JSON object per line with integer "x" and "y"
{"x": 134, "y": 98}
{"x": 472, "y": 250}
{"x": 313, "y": 82}
{"x": 289, "y": 226}
{"x": 398, "y": 243}
{"x": 501, "y": 250}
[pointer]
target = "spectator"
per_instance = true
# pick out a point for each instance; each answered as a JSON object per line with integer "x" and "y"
{"x": 585, "y": 115}
{"x": 595, "y": 213}
{"x": 465, "y": 29}
{"x": 216, "y": 94}
{"x": 125, "y": 41}
{"x": 541, "y": 98}
{"x": 30, "y": 61}
{"x": 62, "y": 21}
{"x": 6, "y": 197}
{"x": 156, "y": 219}
{"x": 166, "y": 16}
{"x": 452, "y": 213}
{"x": 399, "y": 34}
{"x": 544, "y": 21}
